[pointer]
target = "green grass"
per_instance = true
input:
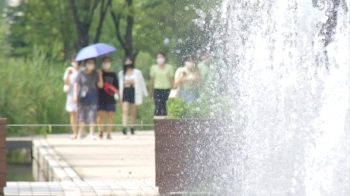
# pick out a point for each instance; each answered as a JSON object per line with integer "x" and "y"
{"x": 32, "y": 93}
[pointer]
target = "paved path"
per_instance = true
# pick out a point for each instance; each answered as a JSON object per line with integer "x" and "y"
{"x": 122, "y": 166}
{"x": 128, "y": 157}
{"x": 99, "y": 188}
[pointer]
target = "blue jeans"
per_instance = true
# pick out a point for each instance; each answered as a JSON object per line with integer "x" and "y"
{"x": 188, "y": 96}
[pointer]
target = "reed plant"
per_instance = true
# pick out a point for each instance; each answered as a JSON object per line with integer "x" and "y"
{"x": 31, "y": 92}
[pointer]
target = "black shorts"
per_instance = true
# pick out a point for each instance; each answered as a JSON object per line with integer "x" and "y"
{"x": 106, "y": 107}
{"x": 129, "y": 95}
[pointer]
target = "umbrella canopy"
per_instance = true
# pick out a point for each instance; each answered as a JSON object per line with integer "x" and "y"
{"x": 94, "y": 50}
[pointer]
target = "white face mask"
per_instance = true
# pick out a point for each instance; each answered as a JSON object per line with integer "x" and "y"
{"x": 90, "y": 66}
{"x": 106, "y": 65}
{"x": 74, "y": 64}
{"x": 160, "y": 61}
{"x": 189, "y": 64}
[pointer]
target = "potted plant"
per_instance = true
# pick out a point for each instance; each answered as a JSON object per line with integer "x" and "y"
{"x": 183, "y": 142}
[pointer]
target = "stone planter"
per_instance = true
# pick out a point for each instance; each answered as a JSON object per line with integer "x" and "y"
{"x": 2, "y": 154}
{"x": 183, "y": 151}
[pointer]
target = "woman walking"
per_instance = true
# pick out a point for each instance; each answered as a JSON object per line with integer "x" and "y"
{"x": 106, "y": 97}
{"x": 162, "y": 79}
{"x": 132, "y": 90}
{"x": 86, "y": 95}
{"x": 69, "y": 78}
{"x": 187, "y": 79}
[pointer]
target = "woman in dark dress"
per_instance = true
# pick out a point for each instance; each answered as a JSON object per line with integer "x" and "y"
{"x": 107, "y": 97}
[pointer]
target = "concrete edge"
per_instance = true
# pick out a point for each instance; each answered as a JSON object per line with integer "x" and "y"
{"x": 52, "y": 164}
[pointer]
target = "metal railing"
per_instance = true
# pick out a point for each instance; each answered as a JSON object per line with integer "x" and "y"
{"x": 68, "y": 125}
{"x": 45, "y": 129}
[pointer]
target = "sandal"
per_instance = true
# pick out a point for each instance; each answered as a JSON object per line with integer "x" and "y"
{"x": 100, "y": 135}
{"x": 73, "y": 137}
{"x": 109, "y": 136}
{"x": 124, "y": 131}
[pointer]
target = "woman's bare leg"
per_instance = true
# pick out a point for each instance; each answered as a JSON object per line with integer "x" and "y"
{"x": 125, "y": 116}
{"x": 133, "y": 117}
{"x": 100, "y": 121}
{"x": 125, "y": 113}
{"x": 73, "y": 122}
{"x": 81, "y": 129}
{"x": 110, "y": 122}
{"x": 92, "y": 130}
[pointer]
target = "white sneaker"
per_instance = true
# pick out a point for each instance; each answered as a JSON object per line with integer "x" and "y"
{"x": 81, "y": 135}
{"x": 92, "y": 137}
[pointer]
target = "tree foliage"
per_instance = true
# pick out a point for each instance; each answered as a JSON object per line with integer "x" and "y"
{"x": 60, "y": 27}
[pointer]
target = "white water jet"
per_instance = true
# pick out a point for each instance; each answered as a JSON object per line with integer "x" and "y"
{"x": 292, "y": 94}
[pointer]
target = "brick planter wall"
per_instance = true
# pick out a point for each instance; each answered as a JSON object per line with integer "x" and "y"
{"x": 2, "y": 154}
{"x": 183, "y": 148}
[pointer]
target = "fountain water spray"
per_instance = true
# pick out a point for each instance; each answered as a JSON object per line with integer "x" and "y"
{"x": 286, "y": 68}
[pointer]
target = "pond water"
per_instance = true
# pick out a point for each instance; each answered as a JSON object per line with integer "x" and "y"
{"x": 19, "y": 165}
{"x": 20, "y": 172}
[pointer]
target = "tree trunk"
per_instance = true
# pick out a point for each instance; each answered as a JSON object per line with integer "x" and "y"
{"x": 103, "y": 11}
{"x": 128, "y": 36}
{"x": 84, "y": 35}
{"x": 83, "y": 25}
{"x": 126, "y": 41}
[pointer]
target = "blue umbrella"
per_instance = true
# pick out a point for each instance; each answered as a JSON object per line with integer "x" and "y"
{"x": 94, "y": 51}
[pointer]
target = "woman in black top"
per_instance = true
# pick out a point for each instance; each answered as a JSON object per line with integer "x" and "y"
{"x": 107, "y": 97}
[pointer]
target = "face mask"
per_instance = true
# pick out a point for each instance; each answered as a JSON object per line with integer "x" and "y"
{"x": 74, "y": 64}
{"x": 189, "y": 64}
{"x": 160, "y": 61}
{"x": 106, "y": 65}
{"x": 127, "y": 66}
{"x": 90, "y": 66}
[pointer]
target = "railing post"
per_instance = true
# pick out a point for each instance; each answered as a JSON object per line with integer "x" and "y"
{"x": 2, "y": 154}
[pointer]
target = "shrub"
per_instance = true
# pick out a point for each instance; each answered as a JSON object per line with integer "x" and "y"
{"x": 177, "y": 108}
{"x": 204, "y": 107}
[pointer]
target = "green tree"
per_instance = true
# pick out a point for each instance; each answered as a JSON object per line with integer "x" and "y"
{"x": 44, "y": 25}
{"x": 60, "y": 27}
{"x": 83, "y": 14}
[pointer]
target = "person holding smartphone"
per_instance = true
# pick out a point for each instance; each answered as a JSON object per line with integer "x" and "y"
{"x": 187, "y": 79}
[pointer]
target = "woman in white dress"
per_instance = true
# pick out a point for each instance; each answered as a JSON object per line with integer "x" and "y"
{"x": 132, "y": 88}
{"x": 69, "y": 79}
